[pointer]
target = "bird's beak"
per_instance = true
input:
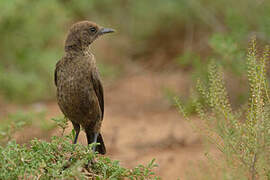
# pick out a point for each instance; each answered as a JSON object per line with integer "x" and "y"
{"x": 106, "y": 30}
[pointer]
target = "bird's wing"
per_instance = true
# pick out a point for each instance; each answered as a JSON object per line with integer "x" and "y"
{"x": 98, "y": 90}
{"x": 55, "y": 72}
{"x": 55, "y": 77}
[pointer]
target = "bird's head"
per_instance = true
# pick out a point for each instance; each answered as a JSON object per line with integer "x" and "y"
{"x": 83, "y": 33}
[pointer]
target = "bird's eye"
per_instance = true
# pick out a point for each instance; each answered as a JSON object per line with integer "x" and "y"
{"x": 93, "y": 29}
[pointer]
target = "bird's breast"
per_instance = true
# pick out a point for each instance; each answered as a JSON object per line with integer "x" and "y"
{"x": 75, "y": 93}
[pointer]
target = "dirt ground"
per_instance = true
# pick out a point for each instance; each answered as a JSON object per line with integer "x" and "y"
{"x": 141, "y": 123}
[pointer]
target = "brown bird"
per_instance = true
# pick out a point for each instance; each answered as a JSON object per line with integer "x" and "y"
{"x": 79, "y": 89}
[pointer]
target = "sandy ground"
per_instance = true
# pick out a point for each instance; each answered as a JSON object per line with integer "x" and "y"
{"x": 140, "y": 124}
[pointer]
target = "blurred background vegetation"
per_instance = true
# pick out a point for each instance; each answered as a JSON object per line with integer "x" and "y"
{"x": 184, "y": 34}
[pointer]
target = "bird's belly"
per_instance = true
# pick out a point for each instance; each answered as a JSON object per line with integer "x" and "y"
{"x": 78, "y": 101}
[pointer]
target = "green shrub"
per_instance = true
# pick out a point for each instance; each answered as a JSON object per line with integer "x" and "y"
{"x": 242, "y": 136}
{"x": 60, "y": 159}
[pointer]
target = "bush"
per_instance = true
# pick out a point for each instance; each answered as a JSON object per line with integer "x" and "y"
{"x": 242, "y": 136}
{"x": 60, "y": 159}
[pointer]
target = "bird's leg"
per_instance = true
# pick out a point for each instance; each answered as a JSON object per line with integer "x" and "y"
{"x": 95, "y": 141}
{"x": 77, "y": 131}
{"x": 92, "y": 138}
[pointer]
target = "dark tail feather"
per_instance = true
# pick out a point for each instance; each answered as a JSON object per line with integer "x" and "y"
{"x": 101, "y": 148}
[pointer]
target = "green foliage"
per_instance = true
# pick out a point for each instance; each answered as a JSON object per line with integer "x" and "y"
{"x": 17, "y": 121}
{"x": 32, "y": 35}
{"x": 190, "y": 60}
{"x": 228, "y": 52}
{"x": 242, "y": 136}
{"x": 29, "y": 48}
{"x": 61, "y": 122}
{"x": 228, "y": 25}
{"x": 60, "y": 159}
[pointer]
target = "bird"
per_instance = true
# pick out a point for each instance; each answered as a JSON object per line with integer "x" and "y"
{"x": 78, "y": 84}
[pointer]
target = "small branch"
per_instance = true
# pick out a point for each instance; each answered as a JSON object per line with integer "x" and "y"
{"x": 253, "y": 170}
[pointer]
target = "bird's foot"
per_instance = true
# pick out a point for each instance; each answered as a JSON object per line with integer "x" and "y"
{"x": 91, "y": 163}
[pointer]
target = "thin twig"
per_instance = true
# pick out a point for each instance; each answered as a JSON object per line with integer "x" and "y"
{"x": 253, "y": 170}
